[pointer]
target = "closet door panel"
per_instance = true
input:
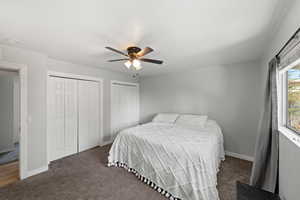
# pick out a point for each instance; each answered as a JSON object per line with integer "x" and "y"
{"x": 133, "y": 111}
{"x": 71, "y": 115}
{"x": 94, "y": 116}
{"x": 125, "y": 107}
{"x": 88, "y": 107}
{"x": 56, "y": 118}
{"x": 115, "y": 108}
{"x": 83, "y": 115}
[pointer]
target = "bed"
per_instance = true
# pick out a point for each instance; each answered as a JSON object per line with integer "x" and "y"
{"x": 178, "y": 161}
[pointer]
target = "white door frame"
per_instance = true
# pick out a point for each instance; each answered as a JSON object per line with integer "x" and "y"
{"x": 22, "y": 73}
{"x": 112, "y": 82}
{"x": 78, "y": 77}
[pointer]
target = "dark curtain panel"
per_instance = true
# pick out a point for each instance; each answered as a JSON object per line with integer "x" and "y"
{"x": 265, "y": 166}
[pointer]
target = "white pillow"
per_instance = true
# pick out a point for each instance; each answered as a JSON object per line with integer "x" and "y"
{"x": 192, "y": 120}
{"x": 165, "y": 117}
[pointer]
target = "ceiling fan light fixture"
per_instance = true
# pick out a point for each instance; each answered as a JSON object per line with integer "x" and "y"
{"x": 138, "y": 67}
{"x": 136, "y": 63}
{"x": 128, "y": 64}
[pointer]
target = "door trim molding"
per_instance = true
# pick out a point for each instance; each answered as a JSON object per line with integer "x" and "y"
{"x": 239, "y": 156}
{"x": 38, "y": 171}
{"x": 22, "y": 73}
{"x": 78, "y": 77}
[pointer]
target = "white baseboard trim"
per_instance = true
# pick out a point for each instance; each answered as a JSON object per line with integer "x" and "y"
{"x": 239, "y": 156}
{"x": 37, "y": 171}
{"x": 106, "y": 143}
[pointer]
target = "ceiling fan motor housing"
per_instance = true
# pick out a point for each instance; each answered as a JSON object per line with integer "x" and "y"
{"x": 132, "y": 51}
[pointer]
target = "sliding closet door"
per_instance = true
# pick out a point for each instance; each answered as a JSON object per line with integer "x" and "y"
{"x": 125, "y": 107}
{"x": 88, "y": 107}
{"x": 133, "y": 101}
{"x": 62, "y": 123}
{"x": 71, "y": 118}
{"x": 56, "y": 123}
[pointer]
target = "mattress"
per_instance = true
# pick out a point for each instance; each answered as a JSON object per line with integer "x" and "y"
{"x": 178, "y": 162}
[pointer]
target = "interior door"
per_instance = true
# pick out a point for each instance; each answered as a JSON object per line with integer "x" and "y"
{"x": 89, "y": 118}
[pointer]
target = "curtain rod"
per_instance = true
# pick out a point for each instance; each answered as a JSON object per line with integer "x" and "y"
{"x": 286, "y": 44}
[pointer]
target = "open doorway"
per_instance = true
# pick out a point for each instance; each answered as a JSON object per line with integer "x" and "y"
{"x": 9, "y": 127}
{"x": 21, "y": 71}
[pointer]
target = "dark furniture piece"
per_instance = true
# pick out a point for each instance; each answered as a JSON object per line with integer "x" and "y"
{"x": 247, "y": 192}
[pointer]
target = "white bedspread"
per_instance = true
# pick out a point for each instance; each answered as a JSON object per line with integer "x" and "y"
{"x": 182, "y": 161}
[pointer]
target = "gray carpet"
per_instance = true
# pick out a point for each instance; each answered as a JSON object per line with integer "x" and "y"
{"x": 85, "y": 177}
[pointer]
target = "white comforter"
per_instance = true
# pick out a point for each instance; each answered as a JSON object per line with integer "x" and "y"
{"x": 182, "y": 161}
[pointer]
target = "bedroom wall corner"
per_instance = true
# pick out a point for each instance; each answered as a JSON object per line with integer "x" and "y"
{"x": 230, "y": 94}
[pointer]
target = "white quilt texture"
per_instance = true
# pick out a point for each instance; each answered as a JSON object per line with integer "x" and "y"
{"x": 183, "y": 162}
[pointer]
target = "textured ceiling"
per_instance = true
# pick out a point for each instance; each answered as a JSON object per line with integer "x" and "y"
{"x": 185, "y": 34}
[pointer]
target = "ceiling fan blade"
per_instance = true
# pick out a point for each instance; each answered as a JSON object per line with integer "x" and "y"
{"x": 144, "y": 51}
{"x": 117, "y": 51}
{"x": 151, "y": 60}
{"x": 115, "y": 60}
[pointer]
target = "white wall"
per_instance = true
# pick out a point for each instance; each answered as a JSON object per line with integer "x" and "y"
{"x": 289, "y": 164}
{"x": 229, "y": 94}
{"x": 38, "y": 65}
{"x": 36, "y": 102}
{"x": 1, "y": 54}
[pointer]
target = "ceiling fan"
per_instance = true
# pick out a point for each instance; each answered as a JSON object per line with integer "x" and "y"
{"x": 134, "y": 57}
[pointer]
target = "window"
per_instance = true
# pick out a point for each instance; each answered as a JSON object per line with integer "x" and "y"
{"x": 289, "y": 97}
{"x": 293, "y": 98}
{"x": 288, "y": 83}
